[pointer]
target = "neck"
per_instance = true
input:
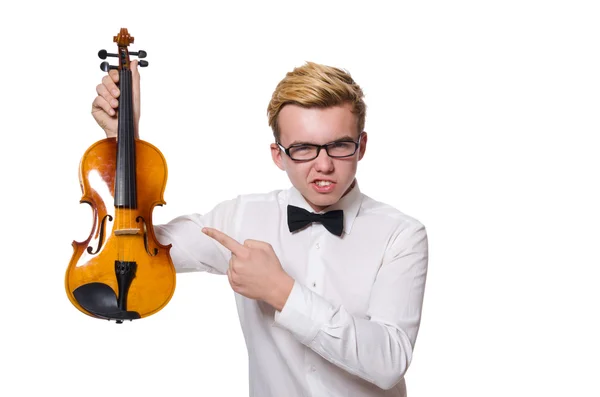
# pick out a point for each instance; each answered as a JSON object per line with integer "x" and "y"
{"x": 125, "y": 184}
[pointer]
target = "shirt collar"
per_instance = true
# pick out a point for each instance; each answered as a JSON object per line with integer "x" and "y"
{"x": 350, "y": 204}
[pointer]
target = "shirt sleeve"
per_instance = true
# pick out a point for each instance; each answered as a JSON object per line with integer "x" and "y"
{"x": 194, "y": 251}
{"x": 377, "y": 348}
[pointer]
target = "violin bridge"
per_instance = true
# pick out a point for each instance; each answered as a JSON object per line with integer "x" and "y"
{"x": 124, "y": 232}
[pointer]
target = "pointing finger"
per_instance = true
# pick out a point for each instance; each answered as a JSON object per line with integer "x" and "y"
{"x": 226, "y": 241}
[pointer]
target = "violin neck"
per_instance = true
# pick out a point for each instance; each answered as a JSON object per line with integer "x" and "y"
{"x": 125, "y": 184}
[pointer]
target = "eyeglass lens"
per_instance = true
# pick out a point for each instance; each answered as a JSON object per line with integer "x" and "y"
{"x": 335, "y": 149}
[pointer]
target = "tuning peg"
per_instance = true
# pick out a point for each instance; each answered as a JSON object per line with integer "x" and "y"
{"x": 103, "y": 54}
{"x": 139, "y": 54}
{"x": 105, "y": 66}
{"x": 143, "y": 63}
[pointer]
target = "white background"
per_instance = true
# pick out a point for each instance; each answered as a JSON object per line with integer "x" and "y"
{"x": 482, "y": 121}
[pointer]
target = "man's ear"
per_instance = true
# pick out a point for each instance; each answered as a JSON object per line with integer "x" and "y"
{"x": 363, "y": 145}
{"x": 276, "y": 155}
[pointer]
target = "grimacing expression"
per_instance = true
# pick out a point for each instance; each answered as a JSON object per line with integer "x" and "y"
{"x": 324, "y": 180}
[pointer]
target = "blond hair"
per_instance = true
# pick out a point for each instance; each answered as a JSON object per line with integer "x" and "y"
{"x": 315, "y": 85}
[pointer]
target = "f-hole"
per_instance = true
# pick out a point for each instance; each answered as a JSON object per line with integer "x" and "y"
{"x": 155, "y": 251}
{"x": 101, "y": 239}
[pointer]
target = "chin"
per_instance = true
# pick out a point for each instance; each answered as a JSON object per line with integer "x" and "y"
{"x": 322, "y": 200}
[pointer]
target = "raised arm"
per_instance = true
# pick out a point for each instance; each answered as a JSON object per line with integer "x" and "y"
{"x": 194, "y": 251}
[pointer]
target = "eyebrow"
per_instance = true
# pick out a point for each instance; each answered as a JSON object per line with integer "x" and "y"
{"x": 344, "y": 138}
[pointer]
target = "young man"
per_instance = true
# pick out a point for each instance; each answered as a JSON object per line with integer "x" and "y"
{"x": 329, "y": 304}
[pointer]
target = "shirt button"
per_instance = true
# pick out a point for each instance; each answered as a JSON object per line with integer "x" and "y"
{"x": 312, "y": 368}
{"x": 314, "y": 284}
{"x": 317, "y": 245}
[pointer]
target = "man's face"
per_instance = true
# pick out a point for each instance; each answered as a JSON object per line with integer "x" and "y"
{"x": 323, "y": 180}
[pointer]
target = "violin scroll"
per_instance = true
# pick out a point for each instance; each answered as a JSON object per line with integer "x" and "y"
{"x": 123, "y": 39}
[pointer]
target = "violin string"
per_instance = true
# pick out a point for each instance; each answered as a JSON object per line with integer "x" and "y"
{"x": 127, "y": 208}
{"x": 132, "y": 154}
{"x": 120, "y": 144}
{"x": 122, "y": 157}
{"x": 128, "y": 162}
{"x": 130, "y": 172}
{"x": 118, "y": 173}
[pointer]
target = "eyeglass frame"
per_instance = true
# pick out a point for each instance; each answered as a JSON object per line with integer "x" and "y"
{"x": 319, "y": 147}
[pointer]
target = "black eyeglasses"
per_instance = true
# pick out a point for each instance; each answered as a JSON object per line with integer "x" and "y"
{"x": 308, "y": 151}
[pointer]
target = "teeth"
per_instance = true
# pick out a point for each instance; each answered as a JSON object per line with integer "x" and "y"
{"x": 323, "y": 183}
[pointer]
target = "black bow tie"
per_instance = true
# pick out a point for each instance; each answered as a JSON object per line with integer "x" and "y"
{"x": 299, "y": 217}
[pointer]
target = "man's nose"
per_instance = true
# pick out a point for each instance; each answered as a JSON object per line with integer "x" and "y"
{"x": 323, "y": 162}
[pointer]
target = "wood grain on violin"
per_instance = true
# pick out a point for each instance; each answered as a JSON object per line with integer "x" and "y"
{"x": 121, "y": 272}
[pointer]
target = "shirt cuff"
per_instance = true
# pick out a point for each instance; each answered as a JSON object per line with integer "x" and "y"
{"x": 304, "y": 313}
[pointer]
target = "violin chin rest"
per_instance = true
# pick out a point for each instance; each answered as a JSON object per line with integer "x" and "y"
{"x": 100, "y": 300}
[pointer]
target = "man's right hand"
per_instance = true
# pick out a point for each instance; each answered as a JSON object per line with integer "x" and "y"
{"x": 105, "y": 105}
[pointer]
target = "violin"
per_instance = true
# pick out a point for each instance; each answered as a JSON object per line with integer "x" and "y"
{"x": 121, "y": 272}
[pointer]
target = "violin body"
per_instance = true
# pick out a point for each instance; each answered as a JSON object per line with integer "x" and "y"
{"x": 122, "y": 234}
{"x": 121, "y": 271}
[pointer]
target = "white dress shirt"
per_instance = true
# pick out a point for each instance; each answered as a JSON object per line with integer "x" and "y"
{"x": 350, "y": 323}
